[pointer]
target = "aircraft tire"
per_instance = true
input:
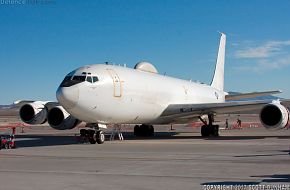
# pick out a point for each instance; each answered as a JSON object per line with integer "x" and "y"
{"x": 83, "y": 132}
{"x": 143, "y": 130}
{"x": 146, "y": 130}
{"x": 215, "y": 130}
{"x": 92, "y": 140}
{"x": 151, "y": 131}
{"x": 91, "y": 136}
{"x": 205, "y": 132}
{"x": 100, "y": 137}
{"x": 137, "y": 130}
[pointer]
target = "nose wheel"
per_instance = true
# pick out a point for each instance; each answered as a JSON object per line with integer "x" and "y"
{"x": 93, "y": 136}
{"x": 100, "y": 137}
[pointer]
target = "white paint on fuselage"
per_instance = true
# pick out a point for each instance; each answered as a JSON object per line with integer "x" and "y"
{"x": 144, "y": 95}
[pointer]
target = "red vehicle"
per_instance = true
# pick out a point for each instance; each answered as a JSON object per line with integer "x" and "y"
{"x": 7, "y": 141}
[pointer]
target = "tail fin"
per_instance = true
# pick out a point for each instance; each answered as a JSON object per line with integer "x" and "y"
{"x": 218, "y": 78}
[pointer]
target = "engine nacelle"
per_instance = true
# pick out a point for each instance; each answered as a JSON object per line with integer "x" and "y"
{"x": 274, "y": 116}
{"x": 33, "y": 113}
{"x": 58, "y": 118}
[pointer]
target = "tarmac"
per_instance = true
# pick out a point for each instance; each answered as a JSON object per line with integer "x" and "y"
{"x": 252, "y": 158}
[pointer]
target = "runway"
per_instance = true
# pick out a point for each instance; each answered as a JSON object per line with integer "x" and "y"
{"x": 49, "y": 159}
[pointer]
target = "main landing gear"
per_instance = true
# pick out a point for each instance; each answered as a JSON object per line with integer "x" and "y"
{"x": 209, "y": 129}
{"x": 143, "y": 130}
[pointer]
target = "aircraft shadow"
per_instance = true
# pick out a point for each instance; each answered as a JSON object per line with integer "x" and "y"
{"x": 233, "y": 183}
{"x": 174, "y": 135}
{"x": 44, "y": 140}
{"x": 54, "y": 140}
{"x": 246, "y": 137}
{"x": 276, "y": 178}
{"x": 157, "y": 136}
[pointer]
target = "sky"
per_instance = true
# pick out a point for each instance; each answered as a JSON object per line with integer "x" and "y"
{"x": 43, "y": 40}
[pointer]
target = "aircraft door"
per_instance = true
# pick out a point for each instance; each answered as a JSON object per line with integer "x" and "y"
{"x": 116, "y": 82}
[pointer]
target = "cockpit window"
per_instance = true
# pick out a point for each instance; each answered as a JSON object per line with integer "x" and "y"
{"x": 65, "y": 81}
{"x": 70, "y": 80}
{"x": 79, "y": 78}
{"x": 92, "y": 79}
{"x": 89, "y": 79}
{"x": 95, "y": 79}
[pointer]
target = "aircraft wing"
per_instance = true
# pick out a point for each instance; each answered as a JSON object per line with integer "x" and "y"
{"x": 187, "y": 112}
{"x": 20, "y": 103}
{"x": 250, "y": 95}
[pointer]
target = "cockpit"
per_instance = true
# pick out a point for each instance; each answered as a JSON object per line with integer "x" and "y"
{"x": 72, "y": 79}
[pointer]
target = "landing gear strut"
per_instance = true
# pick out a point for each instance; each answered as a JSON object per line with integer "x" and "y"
{"x": 209, "y": 129}
{"x": 143, "y": 130}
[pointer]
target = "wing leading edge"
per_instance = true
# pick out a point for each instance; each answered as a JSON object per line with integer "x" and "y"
{"x": 250, "y": 95}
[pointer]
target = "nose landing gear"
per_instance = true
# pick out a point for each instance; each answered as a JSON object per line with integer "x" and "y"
{"x": 93, "y": 135}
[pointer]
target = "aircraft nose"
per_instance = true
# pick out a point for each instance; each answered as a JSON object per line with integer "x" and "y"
{"x": 68, "y": 96}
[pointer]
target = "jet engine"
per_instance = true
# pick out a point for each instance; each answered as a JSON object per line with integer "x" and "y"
{"x": 274, "y": 116}
{"x": 58, "y": 118}
{"x": 33, "y": 113}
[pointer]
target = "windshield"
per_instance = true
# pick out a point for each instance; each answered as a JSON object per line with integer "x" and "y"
{"x": 79, "y": 78}
{"x": 72, "y": 80}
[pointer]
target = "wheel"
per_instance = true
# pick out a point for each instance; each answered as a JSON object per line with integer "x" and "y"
{"x": 91, "y": 136}
{"x": 210, "y": 130}
{"x": 100, "y": 137}
{"x": 92, "y": 140}
{"x": 83, "y": 132}
{"x": 151, "y": 130}
{"x": 147, "y": 130}
{"x": 90, "y": 133}
{"x": 137, "y": 130}
{"x": 205, "y": 131}
{"x": 143, "y": 130}
{"x": 6, "y": 146}
{"x": 215, "y": 130}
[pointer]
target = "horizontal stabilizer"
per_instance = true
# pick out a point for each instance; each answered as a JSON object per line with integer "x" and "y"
{"x": 250, "y": 95}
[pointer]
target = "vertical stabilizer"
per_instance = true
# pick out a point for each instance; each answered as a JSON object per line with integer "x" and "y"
{"x": 218, "y": 78}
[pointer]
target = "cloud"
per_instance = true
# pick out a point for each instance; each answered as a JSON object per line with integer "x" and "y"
{"x": 271, "y": 55}
{"x": 264, "y": 51}
{"x": 262, "y": 65}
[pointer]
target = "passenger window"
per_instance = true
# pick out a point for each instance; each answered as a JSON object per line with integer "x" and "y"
{"x": 95, "y": 79}
{"x": 89, "y": 79}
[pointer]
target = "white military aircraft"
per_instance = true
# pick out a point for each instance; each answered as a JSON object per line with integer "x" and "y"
{"x": 103, "y": 94}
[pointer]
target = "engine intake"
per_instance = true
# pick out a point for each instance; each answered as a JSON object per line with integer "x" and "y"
{"x": 274, "y": 116}
{"x": 33, "y": 113}
{"x": 58, "y": 118}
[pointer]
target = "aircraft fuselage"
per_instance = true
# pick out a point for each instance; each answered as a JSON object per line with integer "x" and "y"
{"x": 128, "y": 96}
